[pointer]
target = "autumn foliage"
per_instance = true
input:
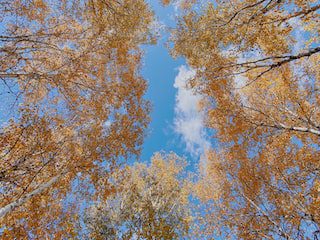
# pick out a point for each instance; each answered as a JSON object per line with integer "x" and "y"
{"x": 73, "y": 113}
{"x": 257, "y": 70}
{"x": 148, "y": 202}
{"x": 72, "y": 70}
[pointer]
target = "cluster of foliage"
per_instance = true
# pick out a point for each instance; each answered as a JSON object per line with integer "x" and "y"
{"x": 146, "y": 203}
{"x": 257, "y": 68}
{"x": 70, "y": 71}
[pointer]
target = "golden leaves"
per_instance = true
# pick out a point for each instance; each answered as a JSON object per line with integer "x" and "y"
{"x": 80, "y": 98}
{"x": 261, "y": 98}
{"x": 148, "y": 201}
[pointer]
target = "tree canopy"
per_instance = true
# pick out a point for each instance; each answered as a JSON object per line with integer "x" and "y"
{"x": 256, "y": 66}
{"x": 74, "y": 112}
{"x": 71, "y": 73}
{"x": 147, "y": 203}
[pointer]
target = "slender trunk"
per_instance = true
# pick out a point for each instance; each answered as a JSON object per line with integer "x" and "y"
{"x": 11, "y": 206}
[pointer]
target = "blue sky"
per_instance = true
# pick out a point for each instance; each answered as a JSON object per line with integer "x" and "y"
{"x": 175, "y": 124}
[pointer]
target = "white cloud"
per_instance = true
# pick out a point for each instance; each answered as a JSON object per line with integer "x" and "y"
{"x": 189, "y": 121}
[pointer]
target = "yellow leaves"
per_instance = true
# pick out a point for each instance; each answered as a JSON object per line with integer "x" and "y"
{"x": 260, "y": 98}
{"x": 206, "y": 191}
{"x": 313, "y": 28}
{"x": 76, "y": 65}
{"x": 184, "y": 4}
{"x": 314, "y": 61}
{"x": 75, "y": 71}
{"x": 40, "y": 4}
{"x": 148, "y": 201}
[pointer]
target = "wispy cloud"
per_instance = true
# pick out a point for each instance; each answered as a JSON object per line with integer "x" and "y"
{"x": 189, "y": 121}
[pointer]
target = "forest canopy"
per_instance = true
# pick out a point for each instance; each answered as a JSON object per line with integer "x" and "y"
{"x": 74, "y": 117}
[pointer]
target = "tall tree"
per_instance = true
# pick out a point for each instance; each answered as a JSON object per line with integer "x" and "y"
{"x": 257, "y": 64}
{"x": 70, "y": 71}
{"x": 148, "y": 202}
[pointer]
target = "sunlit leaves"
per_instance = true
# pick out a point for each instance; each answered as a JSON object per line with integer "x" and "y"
{"x": 257, "y": 71}
{"x": 148, "y": 202}
{"x": 73, "y": 68}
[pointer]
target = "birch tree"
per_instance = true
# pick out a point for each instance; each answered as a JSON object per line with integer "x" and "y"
{"x": 257, "y": 70}
{"x": 148, "y": 202}
{"x": 73, "y": 99}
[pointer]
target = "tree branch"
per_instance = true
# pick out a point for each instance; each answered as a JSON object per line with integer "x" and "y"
{"x": 11, "y": 206}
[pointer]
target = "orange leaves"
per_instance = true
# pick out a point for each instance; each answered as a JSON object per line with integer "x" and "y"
{"x": 261, "y": 98}
{"x": 34, "y": 10}
{"x": 74, "y": 71}
{"x": 75, "y": 67}
{"x": 166, "y": 2}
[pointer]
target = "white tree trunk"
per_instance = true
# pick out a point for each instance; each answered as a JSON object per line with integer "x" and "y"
{"x": 11, "y": 206}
